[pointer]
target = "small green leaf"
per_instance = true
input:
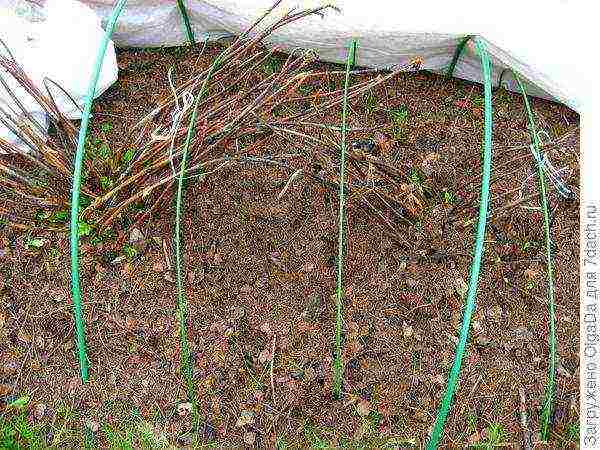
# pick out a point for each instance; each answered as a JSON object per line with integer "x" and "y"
{"x": 105, "y": 183}
{"x": 19, "y": 403}
{"x": 84, "y": 229}
{"x": 128, "y": 155}
{"x": 59, "y": 217}
{"x": 399, "y": 115}
{"x": 106, "y": 127}
{"x": 40, "y": 216}
{"x": 129, "y": 251}
{"x": 35, "y": 243}
{"x": 104, "y": 151}
{"x": 84, "y": 201}
{"x": 449, "y": 198}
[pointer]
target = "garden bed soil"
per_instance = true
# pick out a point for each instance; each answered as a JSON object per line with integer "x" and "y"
{"x": 260, "y": 275}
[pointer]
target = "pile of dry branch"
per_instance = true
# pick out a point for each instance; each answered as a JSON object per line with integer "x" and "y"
{"x": 243, "y": 116}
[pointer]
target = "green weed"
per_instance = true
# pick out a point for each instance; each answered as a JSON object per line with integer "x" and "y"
{"x": 119, "y": 440}
{"x": 313, "y": 438}
{"x": 416, "y": 177}
{"x": 99, "y": 238}
{"x": 449, "y": 197}
{"x": 399, "y": 117}
{"x": 529, "y": 246}
{"x": 149, "y": 438}
{"x": 59, "y": 217}
{"x": 496, "y": 435}
{"x": 472, "y": 423}
{"x": 272, "y": 65}
{"x": 35, "y": 243}
{"x": 477, "y": 101}
{"x": 129, "y": 251}
{"x": 16, "y": 433}
{"x": 370, "y": 102}
{"x": 84, "y": 228}
{"x": 573, "y": 433}
{"x": 127, "y": 156}
{"x": 106, "y": 183}
{"x": 281, "y": 444}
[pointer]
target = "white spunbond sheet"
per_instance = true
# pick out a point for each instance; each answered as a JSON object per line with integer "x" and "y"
{"x": 58, "y": 41}
{"x": 538, "y": 39}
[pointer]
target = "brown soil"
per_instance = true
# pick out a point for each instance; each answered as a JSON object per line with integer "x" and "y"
{"x": 261, "y": 272}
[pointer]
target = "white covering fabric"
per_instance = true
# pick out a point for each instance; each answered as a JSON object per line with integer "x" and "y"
{"x": 537, "y": 38}
{"x": 59, "y": 42}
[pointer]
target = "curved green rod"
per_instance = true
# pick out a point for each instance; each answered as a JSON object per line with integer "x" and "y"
{"x": 478, "y": 250}
{"x": 537, "y": 155}
{"x": 459, "y": 49}
{"x": 181, "y": 298}
{"x": 186, "y": 22}
{"x": 85, "y": 118}
{"x": 337, "y": 368}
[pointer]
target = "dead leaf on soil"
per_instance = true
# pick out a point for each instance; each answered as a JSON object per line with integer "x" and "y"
{"x": 184, "y": 409}
{"x": 474, "y": 438}
{"x": 407, "y": 330}
{"x": 308, "y": 266}
{"x": 266, "y": 328}
{"x": 363, "y": 408}
{"x": 23, "y": 336}
{"x": 461, "y": 287}
{"x": 158, "y": 266}
{"x": 383, "y": 141}
{"x": 305, "y": 327}
{"x": 39, "y": 410}
{"x": 135, "y": 236}
{"x": 265, "y": 356}
{"x": 4, "y": 390}
{"x": 531, "y": 273}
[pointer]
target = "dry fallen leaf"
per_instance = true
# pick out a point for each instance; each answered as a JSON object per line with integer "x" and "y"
{"x": 264, "y": 356}
{"x": 461, "y": 287}
{"x": 266, "y": 328}
{"x": 363, "y": 408}
{"x": 407, "y": 330}
{"x": 4, "y": 390}
{"x": 474, "y": 438}
{"x": 39, "y": 410}
{"x": 383, "y": 141}
{"x": 184, "y": 409}
{"x": 531, "y": 273}
{"x": 158, "y": 266}
{"x": 305, "y": 327}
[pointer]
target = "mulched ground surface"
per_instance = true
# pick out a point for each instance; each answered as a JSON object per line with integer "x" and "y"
{"x": 260, "y": 274}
